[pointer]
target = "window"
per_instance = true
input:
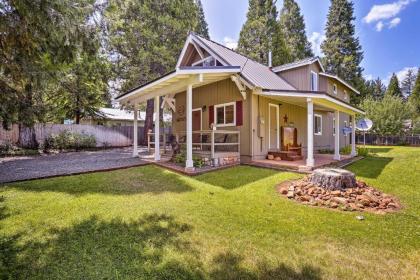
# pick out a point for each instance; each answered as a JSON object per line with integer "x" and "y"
{"x": 314, "y": 81}
{"x": 225, "y": 114}
{"x": 345, "y": 125}
{"x": 208, "y": 61}
{"x": 345, "y": 95}
{"x": 333, "y": 126}
{"x": 335, "y": 89}
{"x": 317, "y": 124}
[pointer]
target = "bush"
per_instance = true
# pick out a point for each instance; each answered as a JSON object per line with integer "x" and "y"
{"x": 326, "y": 151}
{"x": 69, "y": 140}
{"x": 345, "y": 150}
{"x": 8, "y": 149}
{"x": 181, "y": 157}
{"x": 362, "y": 151}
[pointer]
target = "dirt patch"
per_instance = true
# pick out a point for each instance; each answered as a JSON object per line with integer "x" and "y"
{"x": 359, "y": 198}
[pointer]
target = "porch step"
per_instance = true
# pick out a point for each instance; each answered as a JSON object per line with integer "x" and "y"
{"x": 286, "y": 155}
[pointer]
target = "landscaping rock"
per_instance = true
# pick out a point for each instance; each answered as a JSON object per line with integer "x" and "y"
{"x": 360, "y": 197}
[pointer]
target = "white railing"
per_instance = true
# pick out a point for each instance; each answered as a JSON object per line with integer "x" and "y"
{"x": 211, "y": 142}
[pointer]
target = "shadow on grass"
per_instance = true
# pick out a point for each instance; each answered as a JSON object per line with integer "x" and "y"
{"x": 144, "y": 179}
{"x": 370, "y": 167}
{"x": 375, "y": 150}
{"x": 152, "y": 247}
{"x": 235, "y": 177}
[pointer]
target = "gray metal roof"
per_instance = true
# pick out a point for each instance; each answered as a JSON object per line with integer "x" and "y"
{"x": 297, "y": 63}
{"x": 254, "y": 72}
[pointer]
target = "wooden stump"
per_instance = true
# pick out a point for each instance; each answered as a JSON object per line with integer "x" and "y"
{"x": 333, "y": 178}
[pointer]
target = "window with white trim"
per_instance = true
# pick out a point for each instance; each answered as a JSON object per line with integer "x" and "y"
{"x": 345, "y": 95}
{"x": 317, "y": 124}
{"x": 345, "y": 125}
{"x": 225, "y": 114}
{"x": 335, "y": 89}
{"x": 334, "y": 126}
{"x": 314, "y": 81}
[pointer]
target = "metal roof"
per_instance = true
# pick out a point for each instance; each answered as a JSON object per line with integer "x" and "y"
{"x": 254, "y": 72}
{"x": 298, "y": 63}
{"x": 119, "y": 114}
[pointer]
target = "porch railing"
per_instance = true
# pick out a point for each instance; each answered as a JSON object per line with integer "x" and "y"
{"x": 211, "y": 142}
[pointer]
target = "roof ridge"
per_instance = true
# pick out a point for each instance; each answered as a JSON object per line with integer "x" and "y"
{"x": 232, "y": 50}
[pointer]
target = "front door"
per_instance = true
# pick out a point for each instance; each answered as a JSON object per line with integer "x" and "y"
{"x": 273, "y": 124}
{"x": 196, "y": 125}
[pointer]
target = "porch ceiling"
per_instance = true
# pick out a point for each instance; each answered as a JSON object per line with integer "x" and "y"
{"x": 176, "y": 82}
{"x": 322, "y": 101}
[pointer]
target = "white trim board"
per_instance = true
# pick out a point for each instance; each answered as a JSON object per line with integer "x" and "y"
{"x": 278, "y": 125}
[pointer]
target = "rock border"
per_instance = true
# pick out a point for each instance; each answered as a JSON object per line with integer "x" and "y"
{"x": 360, "y": 198}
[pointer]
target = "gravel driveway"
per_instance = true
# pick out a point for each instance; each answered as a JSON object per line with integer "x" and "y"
{"x": 24, "y": 168}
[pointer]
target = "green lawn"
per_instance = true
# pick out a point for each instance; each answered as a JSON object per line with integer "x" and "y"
{"x": 150, "y": 223}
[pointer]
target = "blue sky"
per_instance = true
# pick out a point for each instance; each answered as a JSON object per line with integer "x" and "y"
{"x": 389, "y": 30}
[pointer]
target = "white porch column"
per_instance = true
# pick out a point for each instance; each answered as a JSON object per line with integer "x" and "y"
{"x": 189, "y": 161}
{"x": 337, "y": 136}
{"x": 310, "y": 156}
{"x": 135, "y": 128}
{"x": 353, "y": 136}
{"x": 157, "y": 128}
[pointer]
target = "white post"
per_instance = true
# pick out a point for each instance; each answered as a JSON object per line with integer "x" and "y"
{"x": 157, "y": 128}
{"x": 353, "y": 136}
{"x": 135, "y": 127}
{"x": 337, "y": 136}
{"x": 310, "y": 156}
{"x": 189, "y": 161}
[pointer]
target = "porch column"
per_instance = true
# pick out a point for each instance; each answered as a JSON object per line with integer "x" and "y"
{"x": 157, "y": 128}
{"x": 310, "y": 156}
{"x": 135, "y": 127}
{"x": 337, "y": 136}
{"x": 189, "y": 160}
{"x": 353, "y": 136}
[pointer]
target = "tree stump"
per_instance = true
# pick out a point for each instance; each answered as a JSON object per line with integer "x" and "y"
{"x": 333, "y": 179}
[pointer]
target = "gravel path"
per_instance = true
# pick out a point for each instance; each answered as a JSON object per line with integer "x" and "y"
{"x": 24, "y": 168}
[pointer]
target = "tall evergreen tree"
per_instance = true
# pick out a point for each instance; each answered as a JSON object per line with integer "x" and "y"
{"x": 259, "y": 34}
{"x": 414, "y": 98}
{"x": 342, "y": 50}
{"x": 394, "y": 87}
{"x": 292, "y": 25}
{"x": 379, "y": 89}
{"x": 407, "y": 83}
{"x": 145, "y": 39}
{"x": 202, "y": 27}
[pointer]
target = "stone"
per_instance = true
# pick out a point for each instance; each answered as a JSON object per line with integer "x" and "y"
{"x": 277, "y": 158}
{"x": 270, "y": 157}
{"x": 333, "y": 205}
{"x": 392, "y": 205}
{"x": 338, "y": 193}
{"x": 290, "y": 194}
{"x": 360, "y": 217}
{"x": 283, "y": 190}
{"x": 340, "y": 200}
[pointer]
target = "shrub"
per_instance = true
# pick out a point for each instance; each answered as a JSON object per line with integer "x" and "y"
{"x": 181, "y": 157}
{"x": 345, "y": 150}
{"x": 326, "y": 151}
{"x": 69, "y": 140}
{"x": 362, "y": 151}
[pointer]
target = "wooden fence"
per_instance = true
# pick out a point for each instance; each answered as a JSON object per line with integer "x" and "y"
{"x": 117, "y": 136}
{"x": 374, "y": 139}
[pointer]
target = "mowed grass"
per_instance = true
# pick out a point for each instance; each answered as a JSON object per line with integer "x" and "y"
{"x": 150, "y": 223}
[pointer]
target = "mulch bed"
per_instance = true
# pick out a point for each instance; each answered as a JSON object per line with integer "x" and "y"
{"x": 359, "y": 198}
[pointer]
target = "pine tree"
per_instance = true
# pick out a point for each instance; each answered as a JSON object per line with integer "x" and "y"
{"x": 292, "y": 25}
{"x": 259, "y": 33}
{"x": 407, "y": 83}
{"x": 379, "y": 89}
{"x": 202, "y": 27}
{"x": 414, "y": 98}
{"x": 394, "y": 87}
{"x": 145, "y": 39}
{"x": 342, "y": 50}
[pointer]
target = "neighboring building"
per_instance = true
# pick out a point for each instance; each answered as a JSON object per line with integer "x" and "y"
{"x": 119, "y": 117}
{"x": 294, "y": 108}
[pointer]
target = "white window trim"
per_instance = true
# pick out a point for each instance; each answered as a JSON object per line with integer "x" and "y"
{"x": 204, "y": 59}
{"x": 320, "y": 131}
{"x": 335, "y": 89}
{"x": 345, "y": 95}
{"x": 316, "y": 81}
{"x": 224, "y": 117}
{"x": 334, "y": 127}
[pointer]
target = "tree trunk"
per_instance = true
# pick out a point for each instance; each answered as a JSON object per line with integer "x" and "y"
{"x": 333, "y": 178}
{"x": 148, "y": 122}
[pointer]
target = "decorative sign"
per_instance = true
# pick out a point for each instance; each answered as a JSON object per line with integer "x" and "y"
{"x": 285, "y": 118}
{"x": 347, "y": 130}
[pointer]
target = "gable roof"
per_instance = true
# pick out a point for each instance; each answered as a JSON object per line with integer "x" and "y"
{"x": 255, "y": 73}
{"x": 299, "y": 63}
{"x": 340, "y": 80}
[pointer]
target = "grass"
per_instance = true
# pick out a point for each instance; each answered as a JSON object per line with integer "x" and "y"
{"x": 150, "y": 223}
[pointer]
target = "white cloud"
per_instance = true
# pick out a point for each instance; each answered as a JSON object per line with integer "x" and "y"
{"x": 368, "y": 76}
{"x": 400, "y": 74}
{"x": 386, "y": 11}
{"x": 316, "y": 40}
{"x": 394, "y": 22}
{"x": 230, "y": 42}
{"x": 379, "y": 26}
